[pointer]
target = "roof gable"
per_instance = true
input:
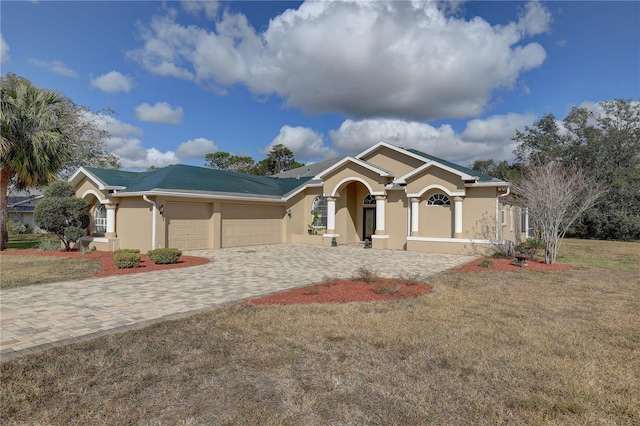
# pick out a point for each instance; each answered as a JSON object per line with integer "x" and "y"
{"x": 362, "y": 163}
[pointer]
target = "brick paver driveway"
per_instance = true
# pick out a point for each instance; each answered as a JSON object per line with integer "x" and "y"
{"x": 40, "y": 316}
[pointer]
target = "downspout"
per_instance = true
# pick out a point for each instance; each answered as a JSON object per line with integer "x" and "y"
{"x": 153, "y": 221}
{"x": 498, "y": 212}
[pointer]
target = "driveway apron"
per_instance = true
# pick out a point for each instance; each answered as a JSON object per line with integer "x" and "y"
{"x": 37, "y": 317}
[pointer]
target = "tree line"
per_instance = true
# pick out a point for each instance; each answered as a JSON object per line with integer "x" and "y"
{"x": 602, "y": 142}
{"x": 279, "y": 159}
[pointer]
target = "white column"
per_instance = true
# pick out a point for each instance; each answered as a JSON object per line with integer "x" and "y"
{"x": 526, "y": 222}
{"x": 457, "y": 228}
{"x": 331, "y": 215}
{"x": 415, "y": 217}
{"x": 380, "y": 203}
{"x": 111, "y": 220}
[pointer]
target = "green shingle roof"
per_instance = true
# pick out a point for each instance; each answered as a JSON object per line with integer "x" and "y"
{"x": 481, "y": 176}
{"x": 111, "y": 177}
{"x": 181, "y": 177}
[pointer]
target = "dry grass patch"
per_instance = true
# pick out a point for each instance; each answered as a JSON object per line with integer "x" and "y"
{"x": 484, "y": 348}
{"x": 24, "y": 270}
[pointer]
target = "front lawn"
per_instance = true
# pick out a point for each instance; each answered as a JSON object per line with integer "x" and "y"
{"x": 524, "y": 347}
{"x": 25, "y": 270}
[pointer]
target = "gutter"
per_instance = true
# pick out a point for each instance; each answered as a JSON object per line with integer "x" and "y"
{"x": 153, "y": 220}
{"x": 498, "y": 211}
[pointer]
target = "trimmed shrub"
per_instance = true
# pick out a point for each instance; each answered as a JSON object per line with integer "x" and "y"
{"x": 126, "y": 258}
{"x": 164, "y": 255}
{"x": 49, "y": 244}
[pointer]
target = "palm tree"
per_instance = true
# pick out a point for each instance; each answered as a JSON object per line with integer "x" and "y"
{"x": 33, "y": 139}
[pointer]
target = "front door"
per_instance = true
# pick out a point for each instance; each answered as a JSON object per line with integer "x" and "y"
{"x": 369, "y": 223}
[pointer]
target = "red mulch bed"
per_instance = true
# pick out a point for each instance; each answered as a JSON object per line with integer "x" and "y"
{"x": 508, "y": 265}
{"x": 344, "y": 291}
{"x": 106, "y": 260}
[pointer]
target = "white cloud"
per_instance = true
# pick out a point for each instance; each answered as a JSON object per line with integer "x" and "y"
{"x": 112, "y": 82}
{"x": 124, "y": 143}
{"x": 55, "y": 66}
{"x": 209, "y": 8}
{"x": 535, "y": 19}
{"x": 481, "y": 139}
{"x": 4, "y": 50}
{"x": 161, "y": 112}
{"x": 408, "y": 60}
{"x": 133, "y": 155}
{"x": 306, "y": 144}
{"x": 196, "y": 148}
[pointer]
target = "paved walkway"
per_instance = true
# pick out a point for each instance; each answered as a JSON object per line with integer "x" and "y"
{"x": 37, "y": 317}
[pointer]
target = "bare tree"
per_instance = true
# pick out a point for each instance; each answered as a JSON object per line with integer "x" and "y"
{"x": 556, "y": 196}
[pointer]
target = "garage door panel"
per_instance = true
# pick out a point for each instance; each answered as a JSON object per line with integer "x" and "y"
{"x": 188, "y": 225}
{"x": 251, "y": 225}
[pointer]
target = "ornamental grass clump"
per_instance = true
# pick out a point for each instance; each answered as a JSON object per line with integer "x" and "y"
{"x": 164, "y": 255}
{"x": 126, "y": 258}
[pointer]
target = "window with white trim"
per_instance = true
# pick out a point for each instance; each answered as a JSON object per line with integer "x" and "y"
{"x": 438, "y": 199}
{"x": 319, "y": 209}
{"x": 100, "y": 219}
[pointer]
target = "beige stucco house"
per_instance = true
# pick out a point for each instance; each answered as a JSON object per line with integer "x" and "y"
{"x": 396, "y": 198}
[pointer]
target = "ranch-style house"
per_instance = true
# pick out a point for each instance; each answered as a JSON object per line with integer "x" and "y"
{"x": 395, "y": 198}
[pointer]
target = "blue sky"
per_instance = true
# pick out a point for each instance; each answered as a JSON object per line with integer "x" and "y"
{"x": 454, "y": 79}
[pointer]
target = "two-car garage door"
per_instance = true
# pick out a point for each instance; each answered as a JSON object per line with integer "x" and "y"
{"x": 188, "y": 225}
{"x": 244, "y": 225}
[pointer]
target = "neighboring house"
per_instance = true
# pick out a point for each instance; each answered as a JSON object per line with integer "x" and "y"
{"x": 21, "y": 205}
{"x": 397, "y": 198}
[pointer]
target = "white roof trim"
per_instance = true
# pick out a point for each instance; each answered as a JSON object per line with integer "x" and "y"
{"x": 432, "y": 163}
{"x": 357, "y": 161}
{"x": 154, "y": 193}
{"x": 384, "y": 144}
{"x": 28, "y": 200}
{"x": 487, "y": 184}
{"x": 93, "y": 178}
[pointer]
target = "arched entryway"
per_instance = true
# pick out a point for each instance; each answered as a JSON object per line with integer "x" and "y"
{"x": 354, "y": 220}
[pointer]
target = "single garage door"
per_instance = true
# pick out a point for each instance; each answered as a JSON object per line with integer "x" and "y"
{"x": 188, "y": 225}
{"x": 245, "y": 225}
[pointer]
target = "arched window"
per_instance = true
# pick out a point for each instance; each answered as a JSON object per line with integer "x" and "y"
{"x": 438, "y": 199}
{"x": 369, "y": 199}
{"x": 319, "y": 212}
{"x": 100, "y": 219}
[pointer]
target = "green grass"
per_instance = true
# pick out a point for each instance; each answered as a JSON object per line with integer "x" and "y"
{"x": 20, "y": 270}
{"x": 484, "y": 348}
{"x": 25, "y": 241}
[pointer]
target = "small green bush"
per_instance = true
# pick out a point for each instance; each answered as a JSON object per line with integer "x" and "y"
{"x": 486, "y": 263}
{"x": 126, "y": 250}
{"x": 164, "y": 255}
{"x": 49, "y": 244}
{"x": 126, "y": 258}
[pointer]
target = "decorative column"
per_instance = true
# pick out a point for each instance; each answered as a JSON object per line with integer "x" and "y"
{"x": 111, "y": 220}
{"x": 415, "y": 217}
{"x": 380, "y": 203}
{"x": 457, "y": 228}
{"x": 331, "y": 215}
